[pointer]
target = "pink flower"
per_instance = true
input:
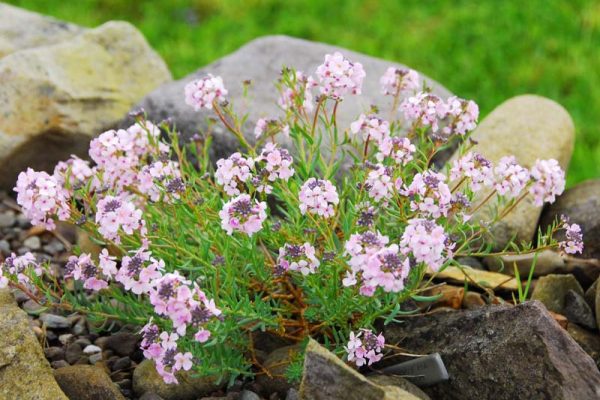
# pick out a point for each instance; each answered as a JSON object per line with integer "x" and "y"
{"x": 399, "y": 80}
{"x": 20, "y": 267}
{"x": 297, "y": 94}
{"x": 297, "y": 258}
{"x": 360, "y": 247}
{"x": 379, "y": 183}
{"x": 426, "y": 242}
{"x": 475, "y": 168}
{"x": 401, "y": 150}
{"x": 548, "y": 181}
{"x": 243, "y": 215}
{"x": 463, "y": 116}
{"x": 365, "y": 347}
{"x": 318, "y": 196}
{"x": 424, "y": 109}
{"x": 429, "y": 194}
{"x": 42, "y": 198}
{"x": 387, "y": 268}
{"x": 511, "y": 178}
{"x": 156, "y": 178}
{"x": 371, "y": 127}
{"x": 233, "y": 172}
{"x": 573, "y": 243}
{"x": 275, "y": 164}
{"x": 114, "y": 215}
{"x": 203, "y": 92}
{"x": 183, "y": 361}
{"x": 84, "y": 269}
{"x": 139, "y": 272}
{"x": 75, "y": 171}
{"x": 202, "y": 335}
{"x": 338, "y": 76}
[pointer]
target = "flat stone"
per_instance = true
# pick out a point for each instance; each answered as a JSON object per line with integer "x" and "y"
{"x": 552, "y": 289}
{"x": 489, "y": 279}
{"x": 146, "y": 379}
{"x": 87, "y": 382}
{"x": 325, "y": 376}
{"x": 578, "y": 311}
{"x": 55, "y": 98}
{"x": 122, "y": 343}
{"x": 261, "y": 61}
{"x": 54, "y": 321}
{"x": 500, "y": 352}
{"x": 529, "y": 127}
{"x": 24, "y": 371}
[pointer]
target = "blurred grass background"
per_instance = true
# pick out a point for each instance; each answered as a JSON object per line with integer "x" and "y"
{"x": 484, "y": 50}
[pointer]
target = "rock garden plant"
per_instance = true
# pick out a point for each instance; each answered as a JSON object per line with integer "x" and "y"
{"x": 312, "y": 229}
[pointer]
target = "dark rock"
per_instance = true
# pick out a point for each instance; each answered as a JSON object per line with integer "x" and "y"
{"x": 261, "y": 61}
{"x": 59, "y": 364}
{"x": 150, "y": 396}
{"x": 32, "y": 307}
{"x": 146, "y": 379}
{"x": 552, "y": 289}
{"x": 325, "y": 376}
{"x": 94, "y": 358}
{"x": 54, "y": 353}
{"x": 577, "y": 310}
{"x": 73, "y": 353}
{"x": 277, "y": 363}
{"x": 471, "y": 262}
{"x": 501, "y": 352}
{"x": 121, "y": 363}
{"x": 7, "y": 219}
{"x": 581, "y": 203}
{"x": 473, "y": 300}
{"x": 86, "y": 382}
{"x": 394, "y": 380}
{"x": 589, "y": 342}
{"x": 54, "y": 321}
{"x": 122, "y": 343}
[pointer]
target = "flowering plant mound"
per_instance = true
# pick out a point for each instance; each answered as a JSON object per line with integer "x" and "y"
{"x": 277, "y": 237}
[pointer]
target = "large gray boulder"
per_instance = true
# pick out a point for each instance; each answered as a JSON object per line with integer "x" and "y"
{"x": 21, "y": 29}
{"x": 261, "y": 61}
{"x": 529, "y": 127}
{"x": 24, "y": 371}
{"x": 501, "y": 352}
{"x": 55, "y": 98}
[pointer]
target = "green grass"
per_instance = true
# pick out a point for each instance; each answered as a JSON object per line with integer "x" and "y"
{"x": 487, "y": 50}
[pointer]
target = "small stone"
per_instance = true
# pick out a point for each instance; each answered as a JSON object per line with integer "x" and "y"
{"x": 450, "y": 296}
{"x": 54, "y": 321}
{"x": 59, "y": 364}
{"x": 54, "y": 247}
{"x": 121, "y": 364}
{"x": 292, "y": 394}
{"x": 124, "y": 383}
{"x": 80, "y": 327}
{"x": 83, "y": 342}
{"x": 471, "y": 262}
{"x": 73, "y": 353}
{"x": 23, "y": 221}
{"x": 33, "y": 243}
{"x": 94, "y": 358}
{"x": 83, "y": 360}
{"x": 146, "y": 379}
{"x": 86, "y": 382}
{"x": 92, "y": 349}
{"x": 248, "y": 395}
{"x": 122, "y": 343}
{"x": 552, "y": 289}
{"x": 473, "y": 300}
{"x": 4, "y": 247}
{"x": 65, "y": 338}
{"x": 32, "y": 307}
{"x": 577, "y": 310}
{"x": 54, "y": 353}
{"x": 7, "y": 219}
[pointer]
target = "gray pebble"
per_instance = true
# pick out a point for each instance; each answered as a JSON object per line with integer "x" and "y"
{"x": 54, "y": 353}
{"x": 54, "y": 247}
{"x": 577, "y": 310}
{"x": 96, "y": 357}
{"x": 91, "y": 349}
{"x": 65, "y": 338}
{"x": 73, "y": 353}
{"x": 150, "y": 396}
{"x": 7, "y": 219}
{"x": 54, "y": 321}
{"x": 121, "y": 363}
{"x": 4, "y": 247}
{"x": 248, "y": 395}
{"x": 33, "y": 243}
{"x": 23, "y": 221}
{"x": 59, "y": 364}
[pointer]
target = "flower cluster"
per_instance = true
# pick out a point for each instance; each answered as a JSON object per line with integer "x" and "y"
{"x": 243, "y": 215}
{"x": 202, "y": 93}
{"x": 299, "y": 258}
{"x": 429, "y": 194}
{"x": 426, "y": 242}
{"x": 116, "y": 214}
{"x": 318, "y": 196}
{"x": 387, "y": 268}
{"x": 42, "y": 198}
{"x": 379, "y": 183}
{"x": 298, "y": 94}
{"x": 84, "y": 269}
{"x": 399, "y": 80}
{"x": 277, "y": 165}
{"x": 74, "y": 172}
{"x": 400, "y": 149}
{"x": 371, "y": 127}
{"x": 365, "y": 347}
{"x": 233, "y": 172}
{"x": 18, "y": 267}
{"x": 339, "y": 76}
{"x": 549, "y": 181}
{"x": 139, "y": 271}
{"x": 573, "y": 242}
{"x": 162, "y": 348}
{"x": 361, "y": 247}
{"x": 474, "y": 168}
{"x": 511, "y": 178}
{"x": 158, "y": 175}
